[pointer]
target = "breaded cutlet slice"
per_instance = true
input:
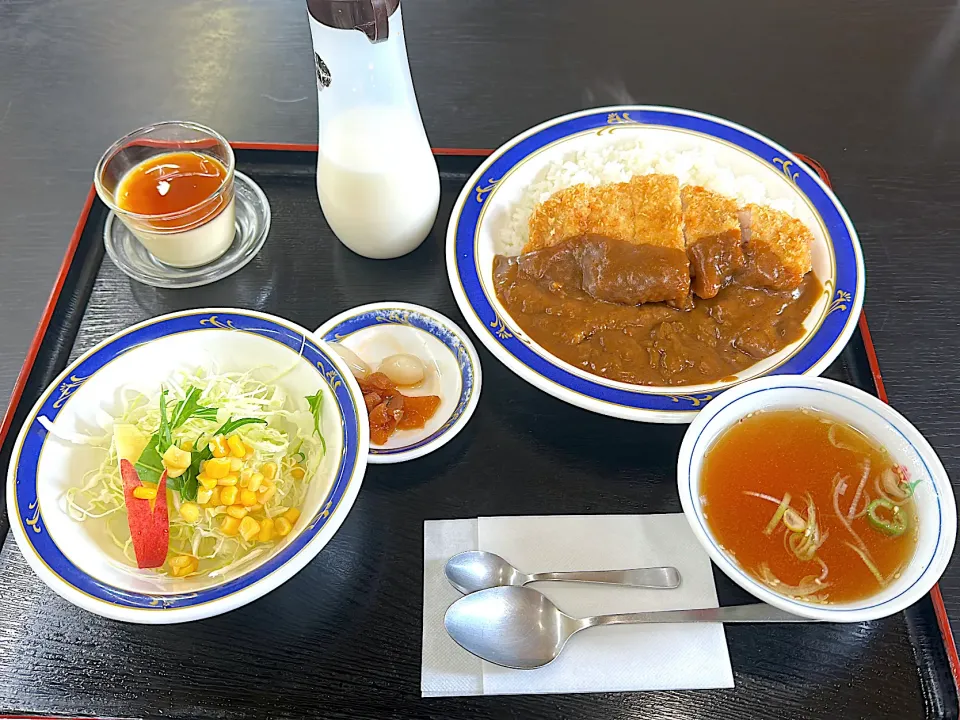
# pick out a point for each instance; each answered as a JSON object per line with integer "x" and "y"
{"x": 658, "y": 216}
{"x": 713, "y": 240}
{"x": 561, "y": 216}
{"x": 611, "y": 212}
{"x": 707, "y": 214}
{"x": 777, "y": 248}
{"x": 644, "y": 211}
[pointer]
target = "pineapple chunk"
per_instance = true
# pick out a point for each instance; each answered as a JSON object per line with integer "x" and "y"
{"x": 176, "y": 461}
{"x": 129, "y": 441}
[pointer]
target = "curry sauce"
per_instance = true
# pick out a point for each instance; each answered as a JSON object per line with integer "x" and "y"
{"x": 561, "y": 302}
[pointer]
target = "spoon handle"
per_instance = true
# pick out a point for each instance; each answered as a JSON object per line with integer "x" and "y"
{"x": 652, "y": 577}
{"x": 754, "y": 613}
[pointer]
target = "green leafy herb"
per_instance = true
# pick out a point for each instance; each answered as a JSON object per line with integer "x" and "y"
{"x": 150, "y": 463}
{"x": 316, "y": 405}
{"x": 166, "y": 431}
{"x": 187, "y": 487}
{"x": 190, "y": 407}
{"x": 230, "y": 425}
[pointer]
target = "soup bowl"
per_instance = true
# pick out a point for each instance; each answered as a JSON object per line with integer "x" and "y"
{"x": 934, "y": 499}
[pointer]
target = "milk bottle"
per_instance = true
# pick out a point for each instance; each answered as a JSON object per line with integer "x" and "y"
{"x": 376, "y": 176}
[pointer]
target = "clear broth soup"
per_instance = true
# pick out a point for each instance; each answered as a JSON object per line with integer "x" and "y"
{"x": 809, "y": 506}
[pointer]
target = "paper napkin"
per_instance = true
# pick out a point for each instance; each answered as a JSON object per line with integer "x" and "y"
{"x": 625, "y": 657}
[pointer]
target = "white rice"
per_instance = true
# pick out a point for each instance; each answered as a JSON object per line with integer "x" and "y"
{"x": 619, "y": 163}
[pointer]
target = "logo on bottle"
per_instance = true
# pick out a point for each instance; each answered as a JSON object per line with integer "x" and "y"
{"x": 323, "y": 72}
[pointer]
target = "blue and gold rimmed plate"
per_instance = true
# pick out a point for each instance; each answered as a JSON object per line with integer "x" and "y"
{"x": 376, "y": 331}
{"x": 79, "y": 560}
{"x": 610, "y": 145}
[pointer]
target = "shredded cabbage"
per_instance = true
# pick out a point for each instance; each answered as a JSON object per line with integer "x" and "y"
{"x": 287, "y": 438}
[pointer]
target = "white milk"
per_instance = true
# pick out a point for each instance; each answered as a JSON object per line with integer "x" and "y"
{"x": 377, "y": 180}
{"x": 376, "y": 176}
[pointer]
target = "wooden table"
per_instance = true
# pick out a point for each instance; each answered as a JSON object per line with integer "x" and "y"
{"x": 868, "y": 88}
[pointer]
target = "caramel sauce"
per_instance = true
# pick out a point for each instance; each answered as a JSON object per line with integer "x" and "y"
{"x": 172, "y": 183}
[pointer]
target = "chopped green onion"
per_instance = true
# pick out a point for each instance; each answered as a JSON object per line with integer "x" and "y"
{"x": 775, "y": 520}
{"x": 895, "y": 526}
{"x": 793, "y": 520}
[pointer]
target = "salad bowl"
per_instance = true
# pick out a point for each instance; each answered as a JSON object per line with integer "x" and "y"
{"x": 70, "y": 435}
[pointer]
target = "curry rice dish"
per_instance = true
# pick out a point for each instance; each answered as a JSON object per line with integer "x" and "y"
{"x": 651, "y": 283}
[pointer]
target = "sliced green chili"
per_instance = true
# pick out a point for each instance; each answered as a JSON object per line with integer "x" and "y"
{"x": 893, "y": 526}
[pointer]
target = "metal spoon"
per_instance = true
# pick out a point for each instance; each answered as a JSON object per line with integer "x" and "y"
{"x": 520, "y": 628}
{"x": 477, "y": 570}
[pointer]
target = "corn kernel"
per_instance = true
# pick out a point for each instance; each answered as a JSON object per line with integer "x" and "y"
{"x": 214, "y": 500}
{"x": 179, "y": 571}
{"x": 230, "y": 479}
{"x": 248, "y": 498}
{"x": 292, "y": 515}
{"x": 266, "y": 530}
{"x": 249, "y": 451}
{"x": 217, "y": 467}
{"x": 203, "y": 496}
{"x": 282, "y": 526}
{"x": 236, "y": 464}
{"x": 237, "y": 511}
{"x": 208, "y": 482}
{"x": 218, "y": 446}
{"x": 230, "y": 525}
{"x": 145, "y": 492}
{"x": 269, "y": 470}
{"x": 187, "y": 445}
{"x": 190, "y": 512}
{"x": 183, "y": 565}
{"x": 297, "y": 473}
{"x": 266, "y": 492}
{"x": 249, "y": 528}
{"x": 236, "y": 446}
{"x": 228, "y": 495}
{"x": 255, "y": 481}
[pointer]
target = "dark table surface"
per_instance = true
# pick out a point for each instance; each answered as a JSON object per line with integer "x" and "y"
{"x": 869, "y": 88}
